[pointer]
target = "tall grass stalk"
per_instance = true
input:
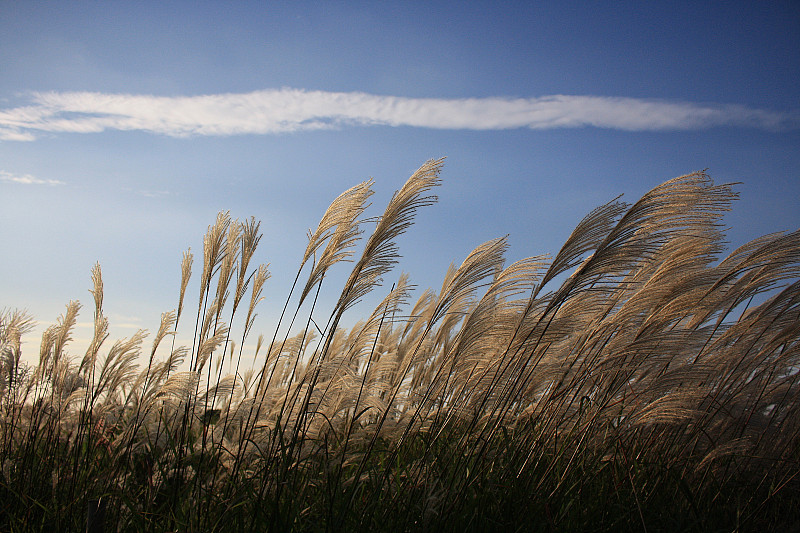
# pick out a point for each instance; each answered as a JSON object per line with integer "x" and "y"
{"x": 638, "y": 380}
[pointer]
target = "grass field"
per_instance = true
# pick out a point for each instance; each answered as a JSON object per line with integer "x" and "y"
{"x": 643, "y": 378}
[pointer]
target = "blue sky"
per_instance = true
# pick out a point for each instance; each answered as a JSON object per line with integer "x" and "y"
{"x": 125, "y": 128}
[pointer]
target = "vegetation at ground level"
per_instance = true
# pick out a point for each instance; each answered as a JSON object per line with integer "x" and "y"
{"x": 638, "y": 380}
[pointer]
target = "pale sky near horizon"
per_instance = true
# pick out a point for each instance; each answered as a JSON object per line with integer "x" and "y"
{"x": 126, "y": 126}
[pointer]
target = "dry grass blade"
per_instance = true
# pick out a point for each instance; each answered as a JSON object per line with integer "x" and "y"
{"x": 63, "y": 333}
{"x": 259, "y": 279}
{"x": 186, "y": 274}
{"x": 119, "y": 367}
{"x": 168, "y": 321}
{"x": 340, "y": 227}
{"x": 209, "y": 345}
{"x": 380, "y": 252}
{"x": 213, "y": 251}
{"x": 690, "y": 204}
{"x": 249, "y": 238}
{"x": 586, "y": 237}
{"x": 341, "y": 212}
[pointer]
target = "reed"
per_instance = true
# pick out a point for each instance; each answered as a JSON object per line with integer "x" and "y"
{"x": 639, "y": 379}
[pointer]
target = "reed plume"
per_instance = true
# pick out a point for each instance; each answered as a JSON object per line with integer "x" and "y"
{"x": 638, "y": 379}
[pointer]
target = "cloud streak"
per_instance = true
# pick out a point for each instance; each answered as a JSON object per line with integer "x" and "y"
{"x": 26, "y": 179}
{"x": 291, "y": 110}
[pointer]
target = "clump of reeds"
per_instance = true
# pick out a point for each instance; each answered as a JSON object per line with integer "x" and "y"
{"x": 636, "y": 380}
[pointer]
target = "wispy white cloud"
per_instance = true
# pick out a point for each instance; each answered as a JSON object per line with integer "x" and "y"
{"x": 290, "y": 110}
{"x": 148, "y": 193}
{"x": 153, "y": 194}
{"x": 26, "y": 179}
